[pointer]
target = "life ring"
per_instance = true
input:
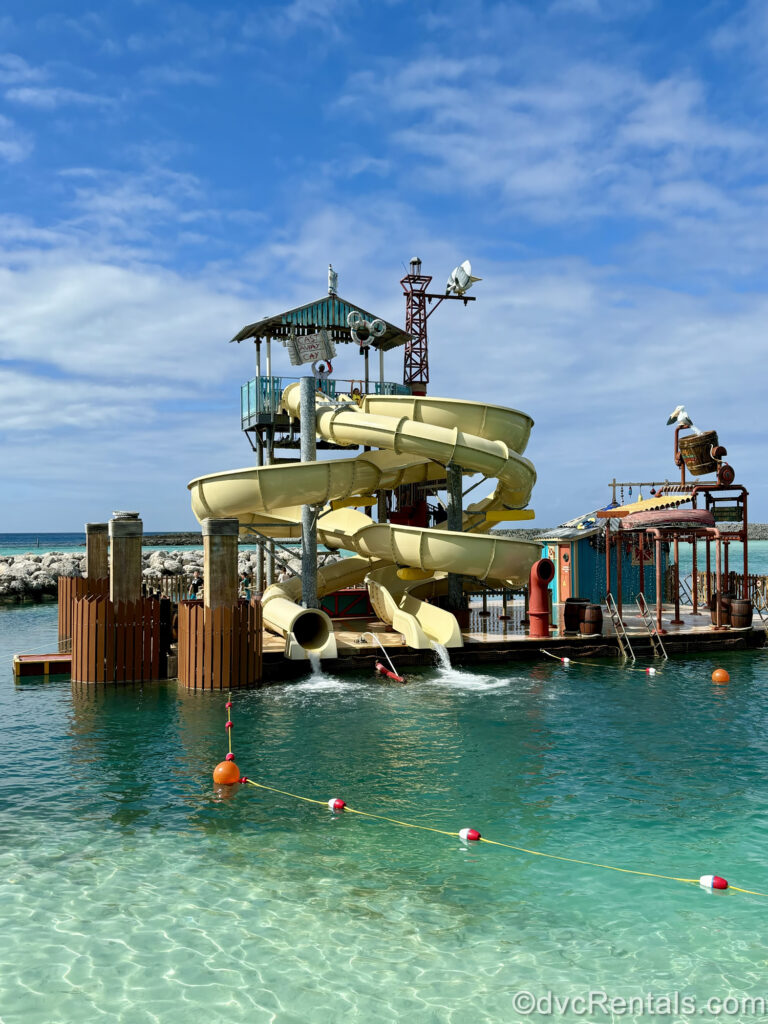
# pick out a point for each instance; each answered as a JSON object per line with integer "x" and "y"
{"x": 666, "y": 518}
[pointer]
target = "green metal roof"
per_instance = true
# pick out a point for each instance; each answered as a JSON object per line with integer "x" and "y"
{"x": 330, "y": 312}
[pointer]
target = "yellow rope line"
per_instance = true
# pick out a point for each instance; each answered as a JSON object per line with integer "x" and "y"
{"x": 494, "y": 842}
{"x": 229, "y": 719}
{"x": 597, "y": 664}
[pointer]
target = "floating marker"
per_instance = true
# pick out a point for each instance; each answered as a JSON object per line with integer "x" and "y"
{"x": 243, "y": 780}
{"x": 712, "y": 882}
{"x": 566, "y": 661}
{"x": 336, "y": 804}
{"x": 226, "y": 773}
{"x": 720, "y": 676}
{"x": 229, "y": 725}
{"x": 470, "y": 834}
{"x": 651, "y": 671}
{"x": 228, "y": 705}
{"x": 230, "y": 757}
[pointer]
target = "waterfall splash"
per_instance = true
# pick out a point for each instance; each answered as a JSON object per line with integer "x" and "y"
{"x": 442, "y": 657}
{"x": 319, "y": 679}
{"x": 450, "y": 676}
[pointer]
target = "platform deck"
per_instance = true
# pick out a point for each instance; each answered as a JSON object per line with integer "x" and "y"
{"x": 492, "y": 639}
{"x": 28, "y": 665}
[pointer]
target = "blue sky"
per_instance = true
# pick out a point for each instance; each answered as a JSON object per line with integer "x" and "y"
{"x": 170, "y": 172}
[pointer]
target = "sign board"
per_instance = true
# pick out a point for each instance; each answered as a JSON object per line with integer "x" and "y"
{"x": 308, "y": 348}
{"x": 728, "y": 514}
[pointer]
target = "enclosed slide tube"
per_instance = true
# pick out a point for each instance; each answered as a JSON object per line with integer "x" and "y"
{"x": 417, "y": 438}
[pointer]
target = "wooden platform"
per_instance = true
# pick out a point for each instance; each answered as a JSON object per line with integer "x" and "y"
{"x": 27, "y": 665}
{"x": 491, "y": 639}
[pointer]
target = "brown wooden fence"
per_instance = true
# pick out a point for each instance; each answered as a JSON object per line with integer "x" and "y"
{"x": 115, "y": 643}
{"x": 71, "y": 587}
{"x": 219, "y": 649}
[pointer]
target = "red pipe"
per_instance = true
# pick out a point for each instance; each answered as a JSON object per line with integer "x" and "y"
{"x": 542, "y": 574}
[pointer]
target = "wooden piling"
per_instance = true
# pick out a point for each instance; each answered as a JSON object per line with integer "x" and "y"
{"x": 220, "y": 582}
{"x": 125, "y": 533}
{"x": 96, "y": 551}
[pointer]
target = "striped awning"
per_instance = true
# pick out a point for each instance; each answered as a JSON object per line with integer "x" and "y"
{"x": 646, "y": 505}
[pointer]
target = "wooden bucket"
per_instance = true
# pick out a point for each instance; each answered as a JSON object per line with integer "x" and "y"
{"x": 696, "y": 452}
{"x": 573, "y": 613}
{"x": 592, "y": 623}
{"x": 741, "y": 613}
{"x": 725, "y": 610}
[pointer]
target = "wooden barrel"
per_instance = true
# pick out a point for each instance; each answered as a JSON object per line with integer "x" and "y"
{"x": 696, "y": 452}
{"x": 741, "y": 613}
{"x": 592, "y": 623}
{"x": 573, "y": 613}
{"x": 725, "y": 609}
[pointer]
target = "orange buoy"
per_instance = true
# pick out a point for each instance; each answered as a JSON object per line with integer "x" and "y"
{"x": 226, "y": 773}
{"x": 720, "y": 676}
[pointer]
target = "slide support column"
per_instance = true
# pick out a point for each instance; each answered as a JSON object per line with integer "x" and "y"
{"x": 455, "y": 522}
{"x": 308, "y": 516}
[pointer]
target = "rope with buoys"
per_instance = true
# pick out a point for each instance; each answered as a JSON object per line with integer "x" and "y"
{"x": 337, "y": 805}
{"x": 650, "y": 671}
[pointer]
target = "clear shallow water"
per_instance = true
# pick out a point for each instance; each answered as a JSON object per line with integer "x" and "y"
{"x": 758, "y": 557}
{"x": 132, "y": 891}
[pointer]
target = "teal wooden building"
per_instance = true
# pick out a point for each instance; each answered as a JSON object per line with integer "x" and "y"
{"x": 577, "y": 549}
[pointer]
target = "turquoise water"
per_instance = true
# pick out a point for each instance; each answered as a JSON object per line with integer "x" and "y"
{"x": 131, "y": 890}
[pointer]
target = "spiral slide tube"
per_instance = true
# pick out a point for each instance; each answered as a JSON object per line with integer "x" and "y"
{"x": 416, "y": 438}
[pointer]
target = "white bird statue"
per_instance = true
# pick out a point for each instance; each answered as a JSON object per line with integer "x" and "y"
{"x": 681, "y": 418}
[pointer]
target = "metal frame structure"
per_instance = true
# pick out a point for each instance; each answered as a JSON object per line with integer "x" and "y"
{"x": 416, "y": 357}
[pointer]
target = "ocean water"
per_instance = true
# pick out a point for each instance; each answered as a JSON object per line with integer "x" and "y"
{"x": 40, "y": 543}
{"x": 133, "y": 890}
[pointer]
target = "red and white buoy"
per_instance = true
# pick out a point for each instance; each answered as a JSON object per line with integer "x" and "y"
{"x": 470, "y": 834}
{"x": 336, "y": 804}
{"x": 712, "y": 882}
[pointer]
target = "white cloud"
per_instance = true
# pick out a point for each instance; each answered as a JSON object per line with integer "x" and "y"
{"x": 15, "y": 70}
{"x": 54, "y": 97}
{"x": 165, "y": 74}
{"x": 15, "y": 144}
{"x": 589, "y": 140}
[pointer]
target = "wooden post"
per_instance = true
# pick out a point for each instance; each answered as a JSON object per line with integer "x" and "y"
{"x": 125, "y": 533}
{"x": 677, "y": 621}
{"x": 96, "y": 551}
{"x": 220, "y": 563}
{"x": 659, "y": 587}
{"x": 608, "y": 556}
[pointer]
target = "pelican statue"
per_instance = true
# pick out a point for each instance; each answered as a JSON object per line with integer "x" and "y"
{"x": 681, "y": 418}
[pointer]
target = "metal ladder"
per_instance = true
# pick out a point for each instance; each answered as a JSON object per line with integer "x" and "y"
{"x": 621, "y": 634}
{"x": 659, "y": 651}
{"x": 685, "y": 588}
{"x": 758, "y": 603}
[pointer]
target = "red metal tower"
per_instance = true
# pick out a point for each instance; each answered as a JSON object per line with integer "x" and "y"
{"x": 416, "y": 358}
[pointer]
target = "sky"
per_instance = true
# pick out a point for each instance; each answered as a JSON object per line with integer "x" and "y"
{"x": 172, "y": 171}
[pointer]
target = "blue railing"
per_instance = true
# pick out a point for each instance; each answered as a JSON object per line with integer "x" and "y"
{"x": 261, "y": 395}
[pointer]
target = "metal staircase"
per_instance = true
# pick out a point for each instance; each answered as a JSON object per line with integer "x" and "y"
{"x": 621, "y": 634}
{"x": 659, "y": 651}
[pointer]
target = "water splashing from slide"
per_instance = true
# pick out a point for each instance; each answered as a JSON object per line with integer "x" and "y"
{"x": 442, "y": 657}
{"x": 450, "y": 676}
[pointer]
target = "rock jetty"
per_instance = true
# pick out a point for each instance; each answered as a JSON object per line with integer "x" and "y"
{"x": 34, "y": 577}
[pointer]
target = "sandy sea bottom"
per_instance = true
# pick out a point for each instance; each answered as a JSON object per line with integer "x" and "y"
{"x": 132, "y": 890}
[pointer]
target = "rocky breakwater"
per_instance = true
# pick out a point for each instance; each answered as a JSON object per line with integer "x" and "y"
{"x": 32, "y": 577}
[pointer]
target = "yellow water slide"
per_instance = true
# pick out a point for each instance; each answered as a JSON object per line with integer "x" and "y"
{"x": 415, "y": 438}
